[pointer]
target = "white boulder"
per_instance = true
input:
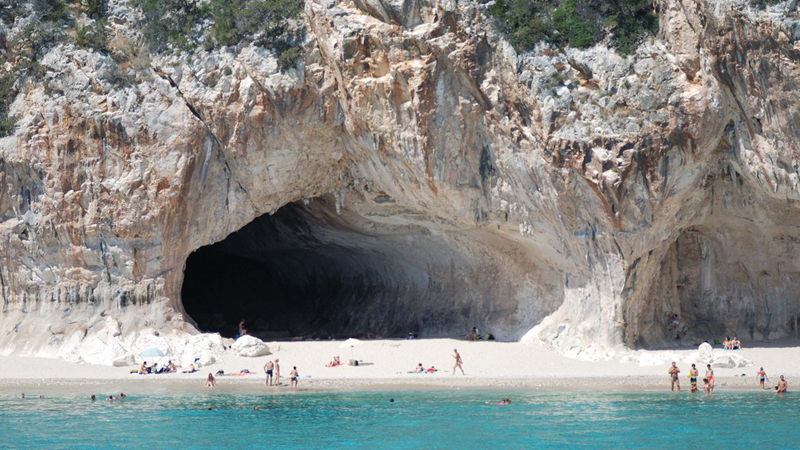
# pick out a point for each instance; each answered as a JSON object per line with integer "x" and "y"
{"x": 703, "y": 355}
{"x": 250, "y": 346}
{"x": 730, "y": 360}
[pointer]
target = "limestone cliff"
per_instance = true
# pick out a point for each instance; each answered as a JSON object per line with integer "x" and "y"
{"x": 414, "y": 173}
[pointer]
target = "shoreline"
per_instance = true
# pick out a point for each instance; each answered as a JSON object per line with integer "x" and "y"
{"x": 254, "y": 385}
{"x": 385, "y": 364}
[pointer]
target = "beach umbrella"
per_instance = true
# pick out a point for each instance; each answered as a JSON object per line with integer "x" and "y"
{"x": 151, "y": 352}
{"x": 350, "y": 343}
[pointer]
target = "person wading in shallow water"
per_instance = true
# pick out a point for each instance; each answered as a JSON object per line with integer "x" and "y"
{"x": 459, "y": 361}
{"x": 710, "y": 377}
{"x": 293, "y": 376}
{"x": 673, "y": 373}
{"x": 268, "y": 370}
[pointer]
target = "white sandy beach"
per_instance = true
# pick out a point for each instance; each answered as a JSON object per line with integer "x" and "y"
{"x": 385, "y": 365}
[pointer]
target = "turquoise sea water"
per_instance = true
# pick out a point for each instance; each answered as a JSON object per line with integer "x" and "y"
{"x": 456, "y": 419}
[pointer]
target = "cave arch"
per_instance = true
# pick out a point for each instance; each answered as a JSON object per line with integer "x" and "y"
{"x": 314, "y": 270}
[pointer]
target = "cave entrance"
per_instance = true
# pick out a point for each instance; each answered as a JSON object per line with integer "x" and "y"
{"x": 303, "y": 271}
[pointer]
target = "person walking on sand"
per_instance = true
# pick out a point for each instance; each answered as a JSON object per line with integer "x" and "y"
{"x": 761, "y": 377}
{"x": 293, "y": 375}
{"x": 459, "y": 361}
{"x": 710, "y": 377}
{"x": 268, "y": 370}
{"x": 673, "y": 373}
{"x": 277, "y": 373}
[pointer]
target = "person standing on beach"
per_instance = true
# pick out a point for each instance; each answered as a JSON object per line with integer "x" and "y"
{"x": 277, "y": 373}
{"x": 293, "y": 375}
{"x": 710, "y": 377}
{"x": 459, "y": 361}
{"x": 782, "y": 386}
{"x": 693, "y": 377}
{"x": 673, "y": 373}
{"x": 761, "y": 377}
{"x": 268, "y": 370}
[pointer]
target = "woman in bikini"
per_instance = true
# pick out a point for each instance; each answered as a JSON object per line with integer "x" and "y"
{"x": 710, "y": 377}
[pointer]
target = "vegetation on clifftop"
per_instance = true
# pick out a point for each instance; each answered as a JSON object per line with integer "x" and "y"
{"x": 575, "y": 23}
{"x": 188, "y": 24}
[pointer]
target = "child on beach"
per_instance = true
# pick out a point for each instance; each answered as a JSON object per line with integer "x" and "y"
{"x": 761, "y": 377}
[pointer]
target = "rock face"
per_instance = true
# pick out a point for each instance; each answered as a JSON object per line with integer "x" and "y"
{"x": 414, "y": 174}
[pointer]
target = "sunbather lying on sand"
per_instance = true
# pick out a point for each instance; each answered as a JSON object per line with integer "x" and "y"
{"x": 334, "y": 363}
{"x": 418, "y": 369}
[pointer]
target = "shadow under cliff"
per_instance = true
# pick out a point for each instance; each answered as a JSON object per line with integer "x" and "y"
{"x": 307, "y": 270}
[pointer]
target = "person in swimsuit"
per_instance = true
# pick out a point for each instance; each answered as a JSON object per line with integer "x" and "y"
{"x": 726, "y": 344}
{"x": 782, "y": 386}
{"x": 268, "y": 370}
{"x": 277, "y": 373}
{"x": 293, "y": 375}
{"x": 459, "y": 361}
{"x": 418, "y": 369}
{"x": 710, "y": 377}
{"x": 211, "y": 381}
{"x": 761, "y": 377}
{"x": 735, "y": 344}
{"x": 693, "y": 377}
{"x": 673, "y": 373}
{"x": 706, "y": 386}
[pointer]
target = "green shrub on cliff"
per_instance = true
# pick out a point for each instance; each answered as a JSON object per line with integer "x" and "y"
{"x": 93, "y": 36}
{"x": 576, "y": 23}
{"x": 272, "y": 24}
{"x": 7, "y": 95}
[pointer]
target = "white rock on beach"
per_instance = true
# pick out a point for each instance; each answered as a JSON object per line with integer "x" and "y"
{"x": 703, "y": 355}
{"x": 730, "y": 360}
{"x": 250, "y": 346}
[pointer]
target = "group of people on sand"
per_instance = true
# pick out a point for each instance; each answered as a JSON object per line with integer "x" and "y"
{"x": 708, "y": 381}
{"x": 421, "y": 369}
{"x": 145, "y": 369}
{"x": 475, "y": 335}
{"x": 273, "y": 371}
{"x": 731, "y": 344}
{"x": 780, "y": 388}
{"x": 458, "y": 365}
